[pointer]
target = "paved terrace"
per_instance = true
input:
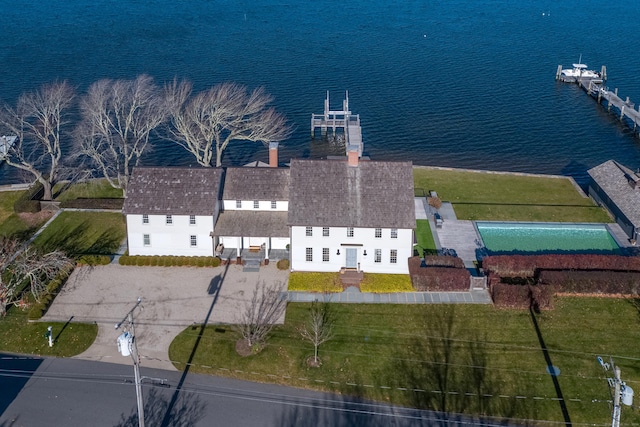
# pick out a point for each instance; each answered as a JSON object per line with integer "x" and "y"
{"x": 354, "y": 296}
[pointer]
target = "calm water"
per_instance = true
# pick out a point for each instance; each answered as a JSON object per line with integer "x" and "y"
{"x": 535, "y": 237}
{"x": 461, "y": 83}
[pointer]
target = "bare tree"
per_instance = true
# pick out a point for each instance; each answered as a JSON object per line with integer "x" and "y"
{"x": 117, "y": 118}
{"x": 206, "y": 123}
{"x": 318, "y": 328}
{"x": 25, "y": 270}
{"x": 38, "y": 121}
{"x": 259, "y": 317}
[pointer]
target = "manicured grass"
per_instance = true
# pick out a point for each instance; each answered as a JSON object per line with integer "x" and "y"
{"x": 500, "y": 197}
{"x": 95, "y": 188}
{"x": 79, "y": 233}
{"x": 314, "y": 282}
{"x": 386, "y": 283}
{"x": 424, "y": 238}
{"x": 447, "y": 357}
{"x": 19, "y": 336}
{"x": 11, "y": 224}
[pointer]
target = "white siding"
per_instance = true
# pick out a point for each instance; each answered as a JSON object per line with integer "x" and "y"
{"x": 172, "y": 239}
{"x": 363, "y": 239}
{"x": 231, "y": 242}
{"x": 264, "y": 205}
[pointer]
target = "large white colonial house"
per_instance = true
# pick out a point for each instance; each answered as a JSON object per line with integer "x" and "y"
{"x": 330, "y": 214}
{"x": 351, "y": 214}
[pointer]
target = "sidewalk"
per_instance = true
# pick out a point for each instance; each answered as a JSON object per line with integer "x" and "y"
{"x": 354, "y": 296}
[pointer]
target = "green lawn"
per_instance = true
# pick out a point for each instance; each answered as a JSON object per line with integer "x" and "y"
{"x": 17, "y": 335}
{"x": 95, "y": 188}
{"x": 11, "y": 224}
{"x": 424, "y": 237}
{"x": 463, "y": 358}
{"x": 499, "y": 197}
{"x": 79, "y": 233}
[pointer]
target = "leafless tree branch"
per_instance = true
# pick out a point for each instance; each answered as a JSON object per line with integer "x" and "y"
{"x": 206, "y": 123}
{"x": 318, "y": 328}
{"x": 39, "y": 122}
{"x": 117, "y": 118}
{"x": 260, "y": 315}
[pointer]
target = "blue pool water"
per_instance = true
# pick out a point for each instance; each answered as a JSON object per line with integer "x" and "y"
{"x": 500, "y": 237}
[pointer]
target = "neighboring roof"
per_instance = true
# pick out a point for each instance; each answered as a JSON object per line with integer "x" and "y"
{"x": 242, "y": 183}
{"x": 621, "y": 185}
{"x": 176, "y": 191}
{"x": 331, "y": 193}
{"x": 252, "y": 224}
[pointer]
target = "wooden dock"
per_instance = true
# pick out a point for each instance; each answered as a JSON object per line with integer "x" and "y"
{"x": 623, "y": 109}
{"x": 343, "y": 119}
{"x": 595, "y": 87}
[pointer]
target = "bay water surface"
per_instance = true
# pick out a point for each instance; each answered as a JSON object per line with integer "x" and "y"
{"x": 457, "y": 83}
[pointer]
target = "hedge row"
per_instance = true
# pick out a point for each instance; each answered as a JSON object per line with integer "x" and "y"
{"x": 443, "y": 261}
{"x": 441, "y": 279}
{"x": 26, "y": 202}
{"x": 538, "y": 297}
{"x": 110, "y": 204}
{"x": 93, "y": 260}
{"x": 529, "y": 265}
{"x": 592, "y": 282}
{"x": 170, "y": 261}
{"x": 38, "y": 309}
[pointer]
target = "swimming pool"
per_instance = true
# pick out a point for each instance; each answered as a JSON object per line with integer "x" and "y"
{"x": 523, "y": 237}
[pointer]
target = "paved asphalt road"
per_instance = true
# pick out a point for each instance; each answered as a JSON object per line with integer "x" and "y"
{"x": 69, "y": 392}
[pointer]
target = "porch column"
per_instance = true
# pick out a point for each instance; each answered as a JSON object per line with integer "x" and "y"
{"x": 238, "y": 247}
{"x": 267, "y": 247}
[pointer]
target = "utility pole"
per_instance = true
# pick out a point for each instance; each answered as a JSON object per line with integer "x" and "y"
{"x": 616, "y": 399}
{"x": 127, "y": 346}
{"x": 622, "y": 393}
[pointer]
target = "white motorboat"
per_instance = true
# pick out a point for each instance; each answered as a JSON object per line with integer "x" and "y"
{"x": 580, "y": 71}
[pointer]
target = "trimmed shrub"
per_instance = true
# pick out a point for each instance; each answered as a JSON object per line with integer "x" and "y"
{"x": 538, "y": 297}
{"x": 440, "y": 279}
{"x": 315, "y": 282}
{"x": 93, "y": 260}
{"x": 528, "y": 265}
{"x": 592, "y": 282}
{"x": 444, "y": 261}
{"x": 283, "y": 264}
{"x": 386, "y": 283}
{"x": 169, "y": 261}
{"x": 109, "y": 204}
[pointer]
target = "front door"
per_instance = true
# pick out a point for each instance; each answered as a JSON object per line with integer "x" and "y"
{"x": 352, "y": 258}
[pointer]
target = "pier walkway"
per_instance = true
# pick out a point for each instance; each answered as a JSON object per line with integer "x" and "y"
{"x": 339, "y": 119}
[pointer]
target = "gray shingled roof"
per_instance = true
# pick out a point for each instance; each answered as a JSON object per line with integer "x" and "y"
{"x": 614, "y": 179}
{"x": 175, "y": 191}
{"x": 252, "y": 224}
{"x": 256, "y": 184}
{"x": 331, "y": 193}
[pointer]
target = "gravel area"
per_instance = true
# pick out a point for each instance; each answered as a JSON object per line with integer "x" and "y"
{"x": 173, "y": 298}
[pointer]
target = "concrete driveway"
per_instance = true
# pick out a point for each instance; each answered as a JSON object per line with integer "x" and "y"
{"x": 173, "y": 298}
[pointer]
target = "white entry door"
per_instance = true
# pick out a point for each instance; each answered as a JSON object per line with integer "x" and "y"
{"x": 352, "y": 258}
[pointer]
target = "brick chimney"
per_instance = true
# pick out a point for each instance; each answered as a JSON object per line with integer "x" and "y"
{"x": 352, "y": 155}
{"x": 273, "y": 154}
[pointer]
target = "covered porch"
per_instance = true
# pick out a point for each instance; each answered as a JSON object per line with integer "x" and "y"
{"x": 252, "y": 236}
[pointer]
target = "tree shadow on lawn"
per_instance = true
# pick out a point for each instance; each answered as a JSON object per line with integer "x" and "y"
{"x": 447, "y": 370}
{"x": 73, "y": 240}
